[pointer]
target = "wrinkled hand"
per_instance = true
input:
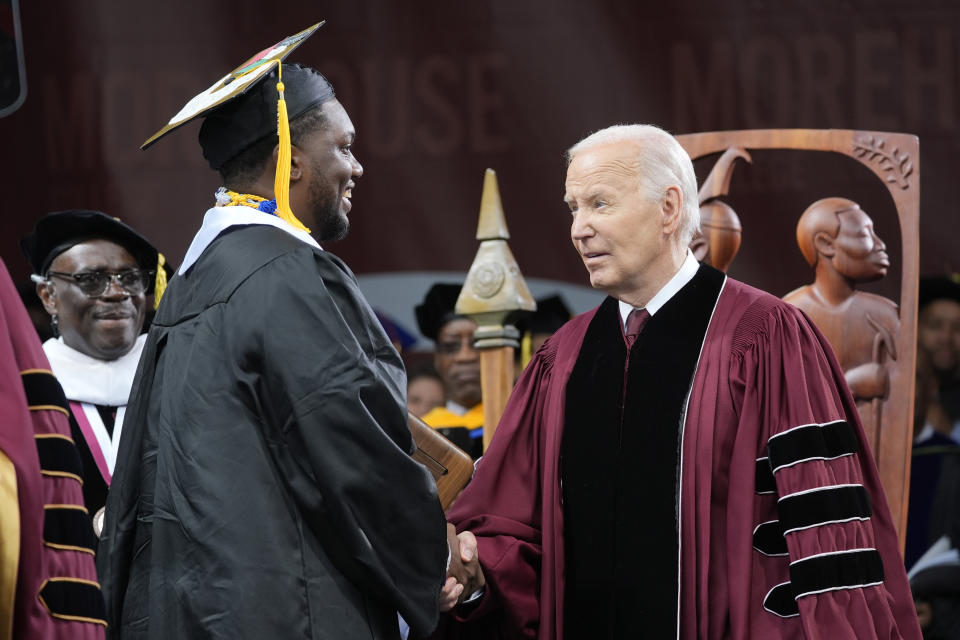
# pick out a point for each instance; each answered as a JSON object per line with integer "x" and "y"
{"x": 464, "y": 562}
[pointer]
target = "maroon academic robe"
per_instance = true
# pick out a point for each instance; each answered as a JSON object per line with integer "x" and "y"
{"x": 51, "y": 561}
{"x": 769, "y": 419}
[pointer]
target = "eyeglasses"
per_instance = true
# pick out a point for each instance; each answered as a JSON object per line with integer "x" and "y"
{"x": 453, "y": 346}
{"x": 94, "y": 284}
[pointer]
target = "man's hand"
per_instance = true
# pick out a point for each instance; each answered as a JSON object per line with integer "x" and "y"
{"x": 450, "y": 594}
{"x": 464, "y": 562}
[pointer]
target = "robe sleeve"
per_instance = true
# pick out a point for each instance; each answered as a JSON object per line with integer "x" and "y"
{"x": 846, "y": 577}
{"x": 502, "y": 507}
{"x": 341, "y": 418}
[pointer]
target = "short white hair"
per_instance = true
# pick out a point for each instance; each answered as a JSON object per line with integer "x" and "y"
{"x": 662, "y": 163}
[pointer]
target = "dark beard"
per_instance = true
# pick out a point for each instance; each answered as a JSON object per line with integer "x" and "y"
{"x": 331, "y": 224}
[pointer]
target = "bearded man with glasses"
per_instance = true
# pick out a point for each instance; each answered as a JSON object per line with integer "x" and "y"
{"x": 93, "y": 275}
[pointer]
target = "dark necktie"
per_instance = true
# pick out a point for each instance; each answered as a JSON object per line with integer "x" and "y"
{"x": 635, "y": 322}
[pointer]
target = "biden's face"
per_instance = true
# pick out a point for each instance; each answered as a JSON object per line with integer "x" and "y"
{"x": 615, "y": 226}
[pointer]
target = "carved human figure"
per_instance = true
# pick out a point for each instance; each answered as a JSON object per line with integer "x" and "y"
{"x": 838, "y": 240}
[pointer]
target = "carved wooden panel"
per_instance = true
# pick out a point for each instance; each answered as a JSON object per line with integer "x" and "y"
{"x": 874, "y": 339}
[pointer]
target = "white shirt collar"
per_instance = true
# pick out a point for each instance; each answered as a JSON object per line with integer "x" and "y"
{"x": 687, "y": 270}
{"x": 219, "y": 219}
{"x": 86, "y": 379}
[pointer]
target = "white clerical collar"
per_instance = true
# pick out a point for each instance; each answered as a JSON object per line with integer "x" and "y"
{"x": 219, "y": 219}
{"x": 86, "y": 379}
{"x": 687, "y": 270}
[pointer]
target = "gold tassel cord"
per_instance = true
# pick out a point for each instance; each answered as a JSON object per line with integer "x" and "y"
{"x": 281, "y": 185}
{"x": 161, "y": 282}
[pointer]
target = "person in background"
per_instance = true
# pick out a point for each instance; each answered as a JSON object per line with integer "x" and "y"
{"x": 936, "y": 591}
{"x": 424, "y": 390}
{"x": 93, "y": 274}
{"x": 938, "y": 335}
{"x": 458, "y": 363}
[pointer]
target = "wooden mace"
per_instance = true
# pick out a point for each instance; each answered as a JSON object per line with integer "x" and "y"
{"x": 494, "y": 288}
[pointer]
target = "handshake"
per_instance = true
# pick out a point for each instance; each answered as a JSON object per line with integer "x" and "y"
{"x": 464, "y": 575}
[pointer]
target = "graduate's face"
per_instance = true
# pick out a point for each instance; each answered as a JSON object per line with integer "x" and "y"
{"x": 860, "y": 253}
{"x": 621, "y": 234}
{"x": 105, "y": 327}
{"x": 333, "y": 171}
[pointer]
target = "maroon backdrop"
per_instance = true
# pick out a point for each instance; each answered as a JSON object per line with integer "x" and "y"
{"x": 439, "y": 91}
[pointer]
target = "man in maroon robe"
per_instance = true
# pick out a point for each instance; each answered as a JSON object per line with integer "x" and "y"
{"x": 683, "y": 461}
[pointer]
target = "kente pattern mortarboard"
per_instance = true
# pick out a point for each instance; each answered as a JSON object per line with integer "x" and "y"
{"x": 235, "y": 84}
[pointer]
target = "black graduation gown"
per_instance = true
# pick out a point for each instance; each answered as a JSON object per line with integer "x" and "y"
{"x": 263, "y": 487}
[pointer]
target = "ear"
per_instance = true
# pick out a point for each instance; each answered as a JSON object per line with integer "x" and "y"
{"x": 823, "y": 243}
{"x": 48, "y": 297}
{"x": 672, "y": 210}
{"x": 299, "y": 164}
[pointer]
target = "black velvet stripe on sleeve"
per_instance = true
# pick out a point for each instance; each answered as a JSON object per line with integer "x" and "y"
{"x": 780, "y": 601}
{"x": 831, "y": 571}
{"x": 65, "y": 527}
{"x": 59, "y": 457}
{"x": 43, "y": 390}
{"x": 811, "y": 442}
{"x": 841, "y": 503}
{"x": 768, "y": 539}
{"x": 764, "y": 482}
{"x": 72, "y": 599}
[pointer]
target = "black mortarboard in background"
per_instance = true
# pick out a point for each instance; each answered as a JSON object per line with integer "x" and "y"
{"x": 437, "y": 308}
{"x": 937, "y": 580}
{"x": 938, "y": 288}
{"x": 551, "y": 314}
{"x": 57, "y": 232}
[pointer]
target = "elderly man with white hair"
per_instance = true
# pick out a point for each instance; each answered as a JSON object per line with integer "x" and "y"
{"x": 685, "y": 460}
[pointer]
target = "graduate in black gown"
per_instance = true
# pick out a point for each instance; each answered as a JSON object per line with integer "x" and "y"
{"x": 264, "y": 488}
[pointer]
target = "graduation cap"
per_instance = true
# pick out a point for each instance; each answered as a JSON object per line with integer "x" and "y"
{"x": 551, "y": 314}
{"x": 938, "y": 288}
{"x": 437, "y": 308}
{"x": 59, "y": 231}
{"x": 242, "y": 108}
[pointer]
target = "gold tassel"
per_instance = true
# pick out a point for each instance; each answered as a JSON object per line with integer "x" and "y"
{"x": 161, "y": 283}
{"x": 526, "y": 349}
{"x": 281, "y": 185}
